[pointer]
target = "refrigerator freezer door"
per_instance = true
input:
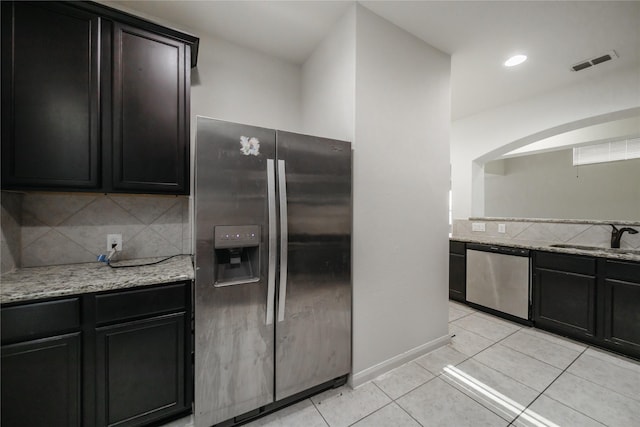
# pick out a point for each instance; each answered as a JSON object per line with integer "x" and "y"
{"x": 313, "y": 329}
{"x": 233, "y": 334}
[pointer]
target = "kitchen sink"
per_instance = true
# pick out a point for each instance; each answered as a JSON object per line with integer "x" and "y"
{"x": 598, "y": 248}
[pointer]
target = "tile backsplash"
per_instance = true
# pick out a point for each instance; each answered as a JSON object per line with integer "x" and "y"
{"x": 591, "y": 233}
{"x": 64, "y": 228}
{"x": 11, "y": 220}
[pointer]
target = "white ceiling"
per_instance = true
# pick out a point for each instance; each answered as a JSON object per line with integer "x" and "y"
{"x": 479, "y": 35}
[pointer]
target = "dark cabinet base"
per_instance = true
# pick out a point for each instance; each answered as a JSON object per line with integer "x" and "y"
{"x": 117, "y": 358}
{"x": 457, "y": 271}
{"x": 566, "y": 302}
{"x": 139, "y": 370}
{"x": 620, "y": 311}
{"x": 594, "y": 300}
{"x": 41, "y": 382}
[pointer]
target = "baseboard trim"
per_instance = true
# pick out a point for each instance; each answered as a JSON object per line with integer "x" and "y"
{"x": 366, "y": 375}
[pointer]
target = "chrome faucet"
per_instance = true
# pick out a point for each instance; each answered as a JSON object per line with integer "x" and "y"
{"x": 616, "y": 235}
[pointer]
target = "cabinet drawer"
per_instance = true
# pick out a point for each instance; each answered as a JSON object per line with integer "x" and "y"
{"x": 132, "y": 304}
{"x": 571, "y": 263}
{"x": 35, "y": 320}
{"x": 620, "y": 270}
{"x": 456, "y": 247}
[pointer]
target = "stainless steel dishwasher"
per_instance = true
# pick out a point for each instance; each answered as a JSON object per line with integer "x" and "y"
{"x": 498, "y": 278}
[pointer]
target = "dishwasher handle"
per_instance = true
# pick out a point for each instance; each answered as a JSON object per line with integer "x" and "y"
{"x": 505, "y": 250}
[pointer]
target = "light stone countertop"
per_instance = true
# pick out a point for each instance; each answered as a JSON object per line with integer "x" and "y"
{"x": 546, "y": 246}
{"x": 34, "y": 283}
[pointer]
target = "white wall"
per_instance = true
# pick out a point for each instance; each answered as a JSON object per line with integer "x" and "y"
{"x": 401, "y": 179}
{"x": 488, "y": 134}
{"x": 241, "y": 85}
{"x": 329, "y": 83}
{"x": 547, "y": 185}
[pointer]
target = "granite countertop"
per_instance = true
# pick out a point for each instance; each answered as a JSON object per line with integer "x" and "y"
{"x": 58, "y": 280}
{"x": 556, "y": 220}
{"x": 547, "y": 246}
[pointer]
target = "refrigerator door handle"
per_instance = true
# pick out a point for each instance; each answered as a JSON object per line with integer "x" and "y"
{"x": 273, "y": 243}
{"x": 284, "y": 239}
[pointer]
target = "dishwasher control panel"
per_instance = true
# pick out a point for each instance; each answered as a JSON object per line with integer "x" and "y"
{"x": 498, "y": 249}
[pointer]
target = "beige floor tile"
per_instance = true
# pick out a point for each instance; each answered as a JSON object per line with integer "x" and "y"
{"x": 603, "y": 405}
{"x": 492, "y": 389}
{"x": 491, "y": 329}
{"x": 548, "y": 412}
{"x": 435, "y": 361}
{"x": 541, "y": 349}
{"x": 467, "y": 342}
{"x": 390, "y": 415}
{"x": 436, "y": 403}
{"x": 403, "y": 379}
{"x": 556, "y": 339}
{"x": 621, "y": 379}
{"x": 525, "y": 369}
{"x": 344, "y": 406}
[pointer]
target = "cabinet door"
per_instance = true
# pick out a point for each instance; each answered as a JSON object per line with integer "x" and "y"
{"x": 140, "y": 371}
{"x": 565, "y": 302}
{"x": 150, "y": 112}
{"x": 50, "y": 111}
{"x": 457, "y": 277}
{"x": 622, "y": 315}
{"x": 41, "y": 382}
{"x": 621, "y": 306}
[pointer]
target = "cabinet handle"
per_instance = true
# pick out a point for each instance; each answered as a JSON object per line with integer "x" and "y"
{"x": 284, "y": 239}
{"x": 273, "y": 243}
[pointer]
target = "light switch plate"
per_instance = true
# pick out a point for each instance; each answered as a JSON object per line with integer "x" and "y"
{"x": 502, "y": 228}
{"x": 477, "y": 226}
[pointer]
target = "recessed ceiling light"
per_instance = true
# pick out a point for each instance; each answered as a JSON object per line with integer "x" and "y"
{"x": 515, "y": 60}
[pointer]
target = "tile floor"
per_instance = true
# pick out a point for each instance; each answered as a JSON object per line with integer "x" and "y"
{"x": 494, "y": 373}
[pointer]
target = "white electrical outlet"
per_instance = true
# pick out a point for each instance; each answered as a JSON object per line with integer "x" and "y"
{"x": 477, "y": 226}
{"x": 114, "y": 239}
{"x": 502, "y": 228}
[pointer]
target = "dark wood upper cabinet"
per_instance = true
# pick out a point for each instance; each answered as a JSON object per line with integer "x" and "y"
{"x": 93, "y": 100}
{"x": 50, "y": 87}
{"x": 150, "y": 138}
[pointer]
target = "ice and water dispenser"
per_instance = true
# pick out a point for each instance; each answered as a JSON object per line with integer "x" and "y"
{"x": 237, "y": 254}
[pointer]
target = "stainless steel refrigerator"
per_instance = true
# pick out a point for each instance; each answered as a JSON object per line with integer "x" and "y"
{"x": 273, "y": 268}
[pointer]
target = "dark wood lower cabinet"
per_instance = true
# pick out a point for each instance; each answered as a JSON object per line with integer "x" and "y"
{"x": 565, "y": 302}
{"x": 457, "y": 271}
{"x": 564, "y": 294}
{"x": 595, "y": 300}
{"x": 621, "y": 306}
{"x": 140, "y": 370}
{"x": 119, "y": 358}
{"x": 41, "y": 382}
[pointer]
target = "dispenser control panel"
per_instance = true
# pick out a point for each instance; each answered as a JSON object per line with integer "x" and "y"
{"x": 236, "y": 236}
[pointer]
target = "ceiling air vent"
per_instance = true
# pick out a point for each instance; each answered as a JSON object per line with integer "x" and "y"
{"x": 594, "y": 61}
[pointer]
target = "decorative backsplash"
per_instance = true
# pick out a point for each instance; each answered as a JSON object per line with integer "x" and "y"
{"x": 64, "y": 228}
{"x": 591, "y": 233}
{"x": 11, "y": 220}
